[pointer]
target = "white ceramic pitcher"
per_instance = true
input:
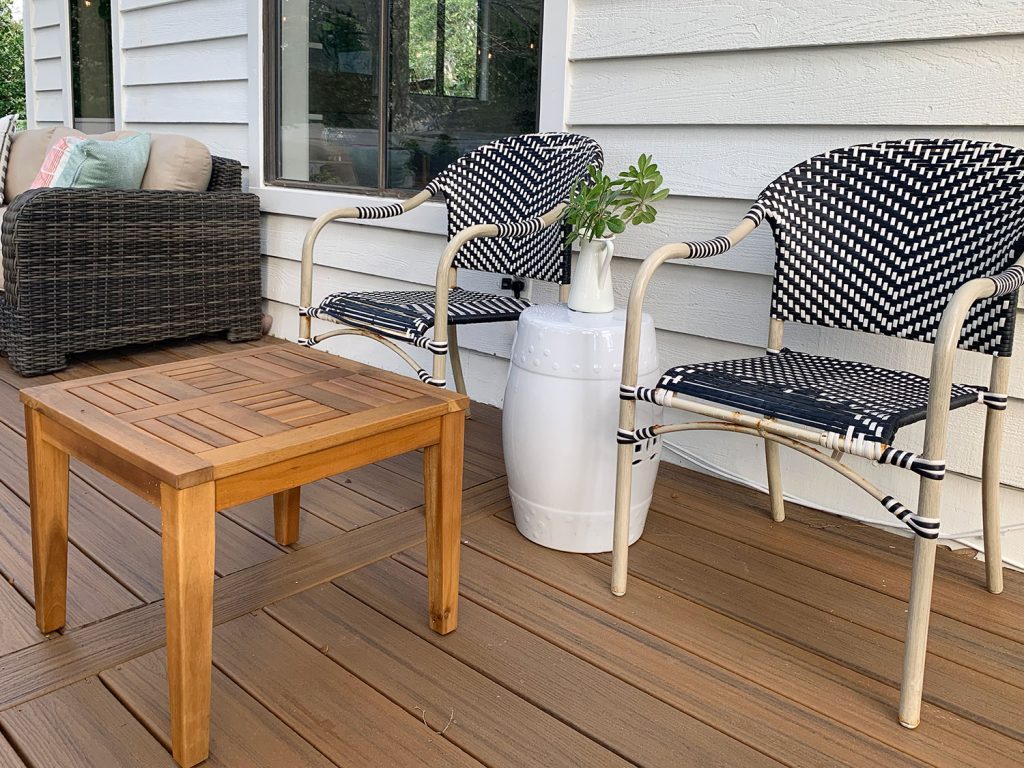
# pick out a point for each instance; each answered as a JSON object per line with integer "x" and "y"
{"x": 591, "y": 289}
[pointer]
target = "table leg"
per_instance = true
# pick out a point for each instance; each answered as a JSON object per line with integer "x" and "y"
{"x": 48, "y": 498}
{"x": 188, "y": 550}
{"x": 442, "y": 481}
{"x": 286, "y": 516}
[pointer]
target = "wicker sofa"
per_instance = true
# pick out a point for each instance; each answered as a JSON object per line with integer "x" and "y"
{"x": 90, "y": 269}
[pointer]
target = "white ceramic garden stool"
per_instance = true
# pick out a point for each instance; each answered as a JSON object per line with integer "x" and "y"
{"x": 559, "y": 421}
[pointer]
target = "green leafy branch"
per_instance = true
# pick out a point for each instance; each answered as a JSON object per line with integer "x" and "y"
{"x": 600, "y": 205}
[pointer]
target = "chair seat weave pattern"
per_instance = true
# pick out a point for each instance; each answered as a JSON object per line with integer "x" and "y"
{"x": 409, "y": 315}
{"x": 838, "y": 396}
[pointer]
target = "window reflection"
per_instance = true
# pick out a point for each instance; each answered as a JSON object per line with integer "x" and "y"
{"x": 459, "y": 74}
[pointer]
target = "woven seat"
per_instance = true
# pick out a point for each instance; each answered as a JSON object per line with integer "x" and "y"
{"x": 409, "y": 315}
{"x": 840, "y": 396}
{"x": 504, "y": 202}
{"x": 919, "y": 239}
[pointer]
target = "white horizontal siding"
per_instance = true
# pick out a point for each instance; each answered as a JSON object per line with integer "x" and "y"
{"x": 726, "y": 96}
{"x": 209, "y": 102}
{"x": 604, "y": 29}
{"x": 47, "y": 42}
{"x": 187, "y": 62}
{"x": 184, "y": 69}
{"x": 738, "y": 161}
{"x": 931, "y": 83}
{"x": 48, "y": 97}
{"x": 182, "y": 22}
{"x": 49, "y": 75}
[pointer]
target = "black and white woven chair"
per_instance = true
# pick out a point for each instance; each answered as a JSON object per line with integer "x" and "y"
{"x": 502, "y": 199}
{"x": 918, "y": 239}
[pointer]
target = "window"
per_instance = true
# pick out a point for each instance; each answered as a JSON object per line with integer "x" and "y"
{"x": 382, "y": 94}
{"x": 92, "y": 67}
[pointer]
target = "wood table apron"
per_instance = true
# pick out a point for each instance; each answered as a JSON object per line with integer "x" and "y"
{"x": 197, "y": 436}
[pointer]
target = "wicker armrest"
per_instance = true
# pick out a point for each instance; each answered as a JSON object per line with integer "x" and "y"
{"x": 226, "y": 175}
{"x": 62, "y": 238}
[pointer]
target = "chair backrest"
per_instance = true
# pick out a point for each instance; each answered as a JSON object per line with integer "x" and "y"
{"x": 516, "y": 178}
{"x": 878, "y": 237}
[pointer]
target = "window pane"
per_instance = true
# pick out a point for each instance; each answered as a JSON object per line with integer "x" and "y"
{"x": 328, "y": 91}
{"x": 458, "y": 73}
{"x": 463, "y": 72}
{"x": 92, "y": 82}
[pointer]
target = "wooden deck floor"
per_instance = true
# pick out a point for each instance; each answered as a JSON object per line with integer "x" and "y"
{"x": 740, "y": 643}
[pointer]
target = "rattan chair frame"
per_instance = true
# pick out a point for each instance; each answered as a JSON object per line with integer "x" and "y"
{"x": 809, "y": 442}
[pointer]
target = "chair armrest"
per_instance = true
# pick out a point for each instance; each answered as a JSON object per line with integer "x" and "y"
{"x": 61, "y": 234}
{"x": 698, "y": 249}
{"x": 225, "y": 175}
{"x": 358, "y": 212}
{"x": 520, "y": 228}
{"x": 946, "y": 340}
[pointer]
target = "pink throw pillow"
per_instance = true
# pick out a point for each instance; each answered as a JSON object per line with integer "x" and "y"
{"x": 56, "y": 159}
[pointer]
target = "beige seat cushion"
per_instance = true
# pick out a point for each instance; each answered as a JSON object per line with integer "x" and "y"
{"x": 177, "y": 162}
{"x": 28, "y": 150}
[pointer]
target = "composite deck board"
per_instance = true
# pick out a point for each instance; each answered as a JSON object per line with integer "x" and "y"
{"x": 437, "y": 688}
{"x": 17, "y": 620}
{"x": 82, "y": 726}
{"x": 243, "y": 733}
{"x": 683, "y": 496}
{"x": 92, "y": 593}
{"x": 953, "y": 640}
{"x": 339, "y": 714}
{"x": 740, "y": 708}
{"x": 738, "y": 650}
{"x": 953, "y": 686}
{"x": 846, "y": 549}
{"x": 8, "y": 757}
{"x": 608, "y": 710}
{"x": 739, "y": 642}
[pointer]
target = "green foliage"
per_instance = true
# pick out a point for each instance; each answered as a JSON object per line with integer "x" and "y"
{"x": 600, "y": 205}
{"x": 12, "y": 63}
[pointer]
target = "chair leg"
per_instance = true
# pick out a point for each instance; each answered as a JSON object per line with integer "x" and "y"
{"x": 921, "y": 579}
{"x": 453, "y": 352}
{"x": 620, "y": 535}
{"x": 771, "y": 460}
{"x": 990, "y": 480}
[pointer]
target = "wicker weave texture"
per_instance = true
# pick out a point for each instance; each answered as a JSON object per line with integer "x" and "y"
{"x": 90, "y": 269}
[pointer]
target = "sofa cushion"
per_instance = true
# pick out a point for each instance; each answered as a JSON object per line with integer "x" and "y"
{"x": 55, "y": 162}
{"x": 28, "y": 150}
{"x": 104, "y": 164}
{"x": 177, "y": 163}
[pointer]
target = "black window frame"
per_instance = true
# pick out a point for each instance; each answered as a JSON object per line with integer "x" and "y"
{"x": 272, "y": 105}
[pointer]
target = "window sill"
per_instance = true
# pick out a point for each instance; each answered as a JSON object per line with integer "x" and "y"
{"x": 431, "y": 217}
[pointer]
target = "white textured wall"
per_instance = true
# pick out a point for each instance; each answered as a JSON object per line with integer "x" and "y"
{"x": 183, "y": 68}
{"x": 46, "y": 62}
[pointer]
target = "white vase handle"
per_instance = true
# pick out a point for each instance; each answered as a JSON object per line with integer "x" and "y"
{"x": 606, "y": 263}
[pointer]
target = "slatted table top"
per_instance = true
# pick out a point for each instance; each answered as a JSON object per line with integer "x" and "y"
{"x": 193, "y": 421}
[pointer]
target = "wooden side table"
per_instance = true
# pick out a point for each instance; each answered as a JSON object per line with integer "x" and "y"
{"x": 201, "y": 435}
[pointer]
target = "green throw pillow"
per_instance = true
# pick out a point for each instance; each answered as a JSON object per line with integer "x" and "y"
{"x": 96, "y": 164}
